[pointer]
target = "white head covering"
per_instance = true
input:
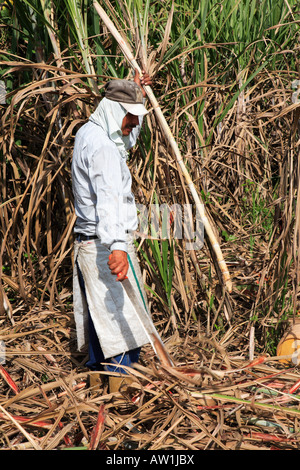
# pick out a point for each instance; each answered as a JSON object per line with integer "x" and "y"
{"x": 109, "y": 116}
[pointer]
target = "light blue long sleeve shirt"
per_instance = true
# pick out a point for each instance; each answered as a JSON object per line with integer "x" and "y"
{"x": 104, "y": 203}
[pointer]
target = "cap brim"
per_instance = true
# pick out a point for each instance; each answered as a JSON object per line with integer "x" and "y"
{"x": 135, "y": 109}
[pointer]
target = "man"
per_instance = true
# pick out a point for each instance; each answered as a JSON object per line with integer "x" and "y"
{"x": 106, "y": 219}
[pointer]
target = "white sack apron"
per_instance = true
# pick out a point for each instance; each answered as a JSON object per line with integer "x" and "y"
{"x": 115, "y": 322}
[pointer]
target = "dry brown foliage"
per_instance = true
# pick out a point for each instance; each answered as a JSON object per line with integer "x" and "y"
{"x": 210, "y": 400}
{"x": 213, "y": 398}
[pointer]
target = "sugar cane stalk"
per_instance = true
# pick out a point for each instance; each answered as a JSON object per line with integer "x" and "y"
{"x": 168, "y": 134}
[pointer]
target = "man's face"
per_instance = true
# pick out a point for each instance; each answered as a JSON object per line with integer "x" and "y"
{"x": 129, "y": 122}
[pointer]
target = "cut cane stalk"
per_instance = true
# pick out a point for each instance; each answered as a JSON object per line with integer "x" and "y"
{"x": 98, "y": 429}
{"x": 9, "y": 380}
{"x": 168, "y": 134}
{"x": 25, "y": 433}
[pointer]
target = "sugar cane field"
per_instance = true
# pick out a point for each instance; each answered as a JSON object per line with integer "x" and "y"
{"x": 216, "y": 181}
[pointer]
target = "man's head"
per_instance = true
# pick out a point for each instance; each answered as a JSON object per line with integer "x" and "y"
{"x": 130, "y": 96}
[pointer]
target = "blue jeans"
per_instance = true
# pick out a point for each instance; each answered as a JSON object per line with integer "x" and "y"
{"x": 96, "y": 357}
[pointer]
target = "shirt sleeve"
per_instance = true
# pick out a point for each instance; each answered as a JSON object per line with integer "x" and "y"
{"x": 106, "y": 179}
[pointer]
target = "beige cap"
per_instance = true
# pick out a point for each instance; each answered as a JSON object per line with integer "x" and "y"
{"x": 128, "y": 94}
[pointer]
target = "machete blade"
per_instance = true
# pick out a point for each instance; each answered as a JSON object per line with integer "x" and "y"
{"x": 147, "y": 324}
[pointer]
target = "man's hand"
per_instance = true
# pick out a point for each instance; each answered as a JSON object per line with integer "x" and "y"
{"x": 145, "y": 79}
{"x": 118, "y": 264}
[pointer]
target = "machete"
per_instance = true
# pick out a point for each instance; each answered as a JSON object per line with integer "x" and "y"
{"x": 147, "y": 324}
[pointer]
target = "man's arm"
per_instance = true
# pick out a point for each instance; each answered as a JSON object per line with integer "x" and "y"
{"x": 118, "y": 262}
{"x": 106, "y": 181}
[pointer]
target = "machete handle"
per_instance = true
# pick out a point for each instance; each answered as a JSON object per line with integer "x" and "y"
{"x": 120, "y": 274}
